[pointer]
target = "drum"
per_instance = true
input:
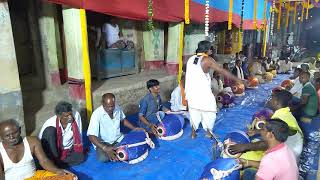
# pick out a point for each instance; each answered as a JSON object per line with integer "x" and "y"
{"x": 253, "y": 82}
{"x": 260, "y": 117}
{"x": 134, "y": 147}
{"x": 235, "y": 137}
{"x": 287, "y": 84}
{"x": 268, "y": 77}
{"x": 222, "y": 169}
{"x": 238, "y": 89}
{"x": 171, "y": 127}
{"x": 225, "y": 98}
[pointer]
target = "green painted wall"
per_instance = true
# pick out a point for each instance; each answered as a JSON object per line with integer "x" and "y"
{"x": 153, "y": 43}
{"x": 194, "y": 33}
{"x": 173, "y": 42}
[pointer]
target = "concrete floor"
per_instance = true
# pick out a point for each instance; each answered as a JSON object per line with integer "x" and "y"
{"x": 39, "y": 104}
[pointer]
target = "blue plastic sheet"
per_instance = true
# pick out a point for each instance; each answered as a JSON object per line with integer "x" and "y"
{"x": 183, "y": 158}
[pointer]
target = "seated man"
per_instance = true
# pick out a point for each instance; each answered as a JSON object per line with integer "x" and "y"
{"x": 104, "y": 128}
{"x": 111, "y": 35}
{"x": 278, "y": 103}
{"x": 268, "y": 65}
{"x": 150, "y": 105}
{"x": 178, "y": 99}
{"x": 297, "y": 87}
{"x": 216, "y": 84}
{"x": 237, "y": 70}
{"x": 279, "y": 162}
{"x": 16, "y": 160}
{"x": 285, "y": 66}
{"x": 61, "y": 136}
{"x": 256, "y": 70}
{"x": 309, "y": 98}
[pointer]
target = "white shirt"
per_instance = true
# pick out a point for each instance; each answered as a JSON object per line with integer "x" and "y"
{"x": 217, "y": 86}
{"x": 111, "y": 33}
{"x": 67, "y": 133}
{"x": 284, "y": 67}
{"x": 176, "y": 100}
{"x": 105, "y": 128}
{"x": 21, "y": 170}
{"x": 256, "y": 68}
{"x": 198, "y": 87}
{"x": 296, "y": 90}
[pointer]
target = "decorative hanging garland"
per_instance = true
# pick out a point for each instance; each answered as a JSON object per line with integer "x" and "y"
{"x": 206, "y": 19}
{"x": 150, "y": 15}
{"x": 272, "y": 20}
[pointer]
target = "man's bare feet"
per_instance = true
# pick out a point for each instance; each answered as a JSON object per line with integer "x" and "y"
{"x": 209, "y": 134}
{"x": 193, "y": 134}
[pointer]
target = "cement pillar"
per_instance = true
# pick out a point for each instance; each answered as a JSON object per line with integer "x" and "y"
{"x": 11, "y": 105}
{"x": 72, "y": 30}
{"x": 153, "y": 44}
{"x": 50, "y": 43}
{"x": 172, "y": 59}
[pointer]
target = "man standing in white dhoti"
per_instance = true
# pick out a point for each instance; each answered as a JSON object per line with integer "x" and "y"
{"x": 201, "y": 101}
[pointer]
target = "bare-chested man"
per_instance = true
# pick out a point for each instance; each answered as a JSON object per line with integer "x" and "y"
{"x": 16, "y": 160}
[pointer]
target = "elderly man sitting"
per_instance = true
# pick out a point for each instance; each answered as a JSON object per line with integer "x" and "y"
{"x": 16, "y": 161}
{"x": 61, "y": 136}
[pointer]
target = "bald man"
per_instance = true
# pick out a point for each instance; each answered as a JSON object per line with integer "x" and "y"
{"x": 104, "y": 128}
{"x": 16, "y": 161}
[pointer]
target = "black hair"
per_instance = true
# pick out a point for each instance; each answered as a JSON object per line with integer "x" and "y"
{"x": 152, "y": 82}
{"x": 203, "y": 47}
{"x": 279, "y": 129}
{"x": 317, "y": 80}
{"x": 298, "y": 69}
{"x": 283, "y": 97}
{"x": 305, "y": 73}
{"x": 62, "y": 107}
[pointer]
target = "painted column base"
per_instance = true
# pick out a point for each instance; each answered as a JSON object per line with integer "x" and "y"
{"x": 76, "y": 89}
{"x": 172, "y": 68}
{"x": 153, "y": 65}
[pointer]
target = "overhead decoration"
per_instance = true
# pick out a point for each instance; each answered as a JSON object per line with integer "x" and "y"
{"x": 255, "y": 14}
{"x": 241, "y": 26}
{"x": 295, "y": 12}
{"x": 206, "y": 19}
{"x": 150, "y": 15}
{"x": 279, "y": 14}
{"x": 302, "y": 13}
{"x": 308, "y": 6}
{"x": 272, "y": 20}
{"x": 187, "y": 11}
{"x": 265, "y": 13}
{"x": 287, "y": 13}
{"x": 230, "y": 14}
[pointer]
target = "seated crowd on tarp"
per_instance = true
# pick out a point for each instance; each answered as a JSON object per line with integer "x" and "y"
{"x": 60, "y": 144}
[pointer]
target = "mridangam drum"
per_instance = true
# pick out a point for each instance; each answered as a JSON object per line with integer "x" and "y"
{"x": 222, "y": 169}
{"x": 170, "y": 127}
{"x": 235, "y": 137}
{"x": 225, "y": 98}
{"x": 134, "y": 147}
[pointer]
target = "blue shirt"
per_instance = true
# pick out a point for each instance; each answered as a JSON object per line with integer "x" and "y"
{"x": 105, "y": 128}
{"x": 149, "y": 105}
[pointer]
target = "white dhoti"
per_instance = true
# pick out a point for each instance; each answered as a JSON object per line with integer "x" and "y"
{"x": 206, "y": 118}
{"x": 295, "y": 143}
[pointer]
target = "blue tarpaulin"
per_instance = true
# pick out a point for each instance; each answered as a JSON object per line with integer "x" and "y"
{"x": 183, "y": 158}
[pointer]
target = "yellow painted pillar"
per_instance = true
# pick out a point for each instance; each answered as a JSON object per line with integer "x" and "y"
{"x": 230, "y": 14}
{"x": 279, "y": 14}
{"x": 181, "y": 43}
{"x": 86, "y": 62}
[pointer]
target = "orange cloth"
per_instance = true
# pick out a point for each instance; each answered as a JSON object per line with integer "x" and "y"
{"x": 46, "y": 175}
{"x": 183, "y": 95}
